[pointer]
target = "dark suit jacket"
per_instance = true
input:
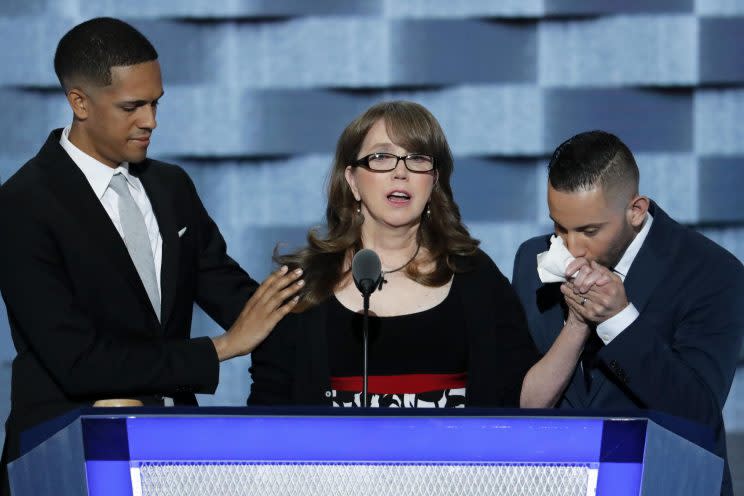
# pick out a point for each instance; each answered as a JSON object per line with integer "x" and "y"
{"x": 680, "y": 355}
{"x": 81, "y": 321}
{"x": 291, "y": 367}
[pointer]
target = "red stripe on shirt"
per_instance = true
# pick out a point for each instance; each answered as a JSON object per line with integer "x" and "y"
{"x": 401, "y": 384}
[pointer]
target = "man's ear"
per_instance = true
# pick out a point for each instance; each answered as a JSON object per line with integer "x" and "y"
{"x": 637, "y": 210}
{"x": 79, "y": 102}
{"x": 351, "y": 181}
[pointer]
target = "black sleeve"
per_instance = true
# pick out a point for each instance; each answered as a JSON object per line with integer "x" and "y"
{"x": 501, "y": 350}
{"x": 273, "y": 365}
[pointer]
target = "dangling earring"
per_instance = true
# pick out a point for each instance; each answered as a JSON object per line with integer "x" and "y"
{"x": 359, "y": 207}
{"x": 428, "y": 210}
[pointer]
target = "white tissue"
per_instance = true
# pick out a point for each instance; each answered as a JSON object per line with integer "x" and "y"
{"x": 551, "y": 264}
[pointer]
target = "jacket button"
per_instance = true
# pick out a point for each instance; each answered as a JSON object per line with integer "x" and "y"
{"x": 613, "y": 364}
{"x": 328, "y": 394}
{"x": 621, "y": 375}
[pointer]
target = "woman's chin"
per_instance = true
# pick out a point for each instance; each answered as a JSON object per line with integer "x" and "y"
{"x": 401, "y": 223}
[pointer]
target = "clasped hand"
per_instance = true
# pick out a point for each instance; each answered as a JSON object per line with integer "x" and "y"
{"x": 596, "y": 293}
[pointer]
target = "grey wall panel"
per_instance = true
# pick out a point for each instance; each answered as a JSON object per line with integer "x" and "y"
{"x": 229, "y": 9}
{"x": 671, "y": 180}
{"x": 253, "y": 247}
{"x": 719, "y": 7}
{"x": 622, "y": 50}
{"x": 227, "y": 122}
{"x": 645, "y": 120}
{"x": 282, "y": 192}
{"x": 588, "y": 7}
{"x": 368, "y": 52}
{"x": 721, "y": 189}
{"x": 23, "y": 8}
{"x": 308, "y": 53}
{"x": 281, "y": 122}
{"x": 501, "y": 120}
{"x": 187, "y": 52}
{"x": 470, "y": 8}
{"x": 495, "y": 190}
{"x": 717, "y": 121}
{"x": 30, "y": 116}
{"x": 471, "y": 51}
{"x": 721, "y": 40}
{"x": 28, "y": 59}
{"x": 206, "y": 121}
{"x": 541, "y": 198}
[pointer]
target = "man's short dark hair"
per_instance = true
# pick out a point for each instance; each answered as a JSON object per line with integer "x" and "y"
{"x": 592, "y": 158}
{"x": 89, "y": 50}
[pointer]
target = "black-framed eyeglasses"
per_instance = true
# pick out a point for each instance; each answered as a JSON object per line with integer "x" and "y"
{"x": 385, "y": 162}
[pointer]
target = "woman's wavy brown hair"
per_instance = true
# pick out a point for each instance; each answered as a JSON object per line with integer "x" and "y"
{"x": 325, "y": 258}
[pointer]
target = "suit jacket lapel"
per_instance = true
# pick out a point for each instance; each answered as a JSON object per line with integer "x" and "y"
{"x": 653, "y": 259}
{"x": 646, "y": 271}
{"x": 165, "y": 215}
{"x": 73, "y": 190}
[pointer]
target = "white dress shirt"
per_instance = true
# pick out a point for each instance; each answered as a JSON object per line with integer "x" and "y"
{"x": 612, "y": 327}
{"x": 99, "y": 177}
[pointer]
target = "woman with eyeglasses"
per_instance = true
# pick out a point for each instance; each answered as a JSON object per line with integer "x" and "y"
{"x": 446, "y": 328}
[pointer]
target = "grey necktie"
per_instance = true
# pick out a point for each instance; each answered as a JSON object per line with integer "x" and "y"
{"x": 136, "y": 239}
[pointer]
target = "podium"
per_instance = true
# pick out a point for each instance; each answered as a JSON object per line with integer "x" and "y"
{"x": 242, "y": 451}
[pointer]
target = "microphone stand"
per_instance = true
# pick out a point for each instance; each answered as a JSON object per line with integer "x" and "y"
{"x": 365, "y": 350}
{"x": 367, "y": 287}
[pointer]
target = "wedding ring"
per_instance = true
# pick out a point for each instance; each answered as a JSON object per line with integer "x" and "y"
{"x": 583, "y": 300}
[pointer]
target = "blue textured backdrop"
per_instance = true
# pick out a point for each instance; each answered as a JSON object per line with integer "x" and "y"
{"x": 258, "y": 91}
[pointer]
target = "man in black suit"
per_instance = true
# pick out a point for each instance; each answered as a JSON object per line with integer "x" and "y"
{"x": 662, "y": 305}
{"x": 104, "y": 252}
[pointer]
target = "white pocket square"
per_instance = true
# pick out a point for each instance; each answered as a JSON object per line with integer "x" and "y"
{"x": 182, "y": 232}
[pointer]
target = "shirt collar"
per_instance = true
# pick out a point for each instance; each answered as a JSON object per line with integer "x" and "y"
{"x": 623, "y": 266}
{"x": 97, "y": 173}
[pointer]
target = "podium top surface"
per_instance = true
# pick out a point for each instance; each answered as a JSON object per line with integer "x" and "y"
{"x": 224, "y": 433}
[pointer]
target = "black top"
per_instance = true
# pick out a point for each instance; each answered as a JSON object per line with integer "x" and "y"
{"x": 292, "y": 366}
{"x": 415, "y": 360}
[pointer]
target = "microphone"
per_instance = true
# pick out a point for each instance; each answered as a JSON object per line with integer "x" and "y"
{"x": 366, "y": 269}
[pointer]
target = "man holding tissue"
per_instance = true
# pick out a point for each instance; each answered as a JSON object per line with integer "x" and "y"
{"x": 660, "y": 305}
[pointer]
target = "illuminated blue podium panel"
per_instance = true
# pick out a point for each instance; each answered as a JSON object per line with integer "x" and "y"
{"x": 242, "y": 451}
